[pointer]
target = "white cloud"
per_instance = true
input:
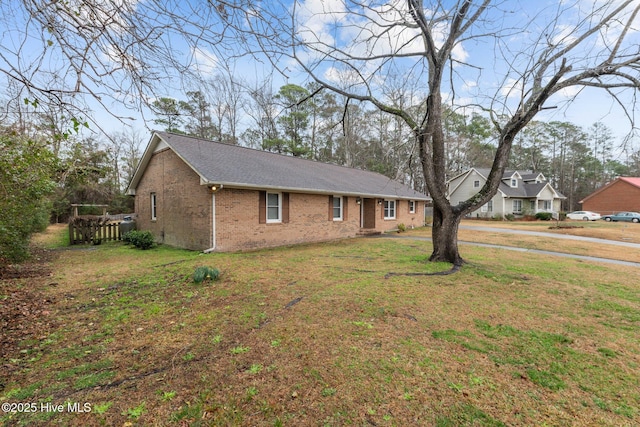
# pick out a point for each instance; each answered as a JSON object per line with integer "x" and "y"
{"x": 386, "y": 29}
{"x": 121, "y": 59}
{"x": 570, "y": 92}
{"x": 109, "y": 15}
{"x": 206, "y": 62}
{"x": 512, "y": 88}
{"x": 343, "y": 78}
{"x": 564, "y": 35}
{"x": 318, "y": 18}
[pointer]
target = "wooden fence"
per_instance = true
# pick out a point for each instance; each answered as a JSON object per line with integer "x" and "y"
{"x": 93, "y": 230}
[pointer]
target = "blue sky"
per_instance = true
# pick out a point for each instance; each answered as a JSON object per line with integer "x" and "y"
{"x": 327, "y": 20}
{"x": 492, "y": 70}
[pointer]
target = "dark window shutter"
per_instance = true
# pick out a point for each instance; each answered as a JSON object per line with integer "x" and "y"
{"x": 330, "y": 208}
{"x": 285, "y": 207}
{"x": 345, "y": 203}
{"x": 262, "y": 208}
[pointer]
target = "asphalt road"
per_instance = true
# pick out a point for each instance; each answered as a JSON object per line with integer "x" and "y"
{"x": 537, "y": 251}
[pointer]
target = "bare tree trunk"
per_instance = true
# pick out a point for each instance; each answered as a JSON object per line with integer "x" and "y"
{"x": 445, "y": 237}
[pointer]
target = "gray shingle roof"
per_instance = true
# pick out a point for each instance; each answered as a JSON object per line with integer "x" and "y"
{"x": 240, "y": 167}
{"x": 526, "y": 188}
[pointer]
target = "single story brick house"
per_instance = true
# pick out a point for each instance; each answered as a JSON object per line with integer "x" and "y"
{"x": 622, "y": 194}
{"x": 203, "y": 195}
{"x": 519, "y": 193}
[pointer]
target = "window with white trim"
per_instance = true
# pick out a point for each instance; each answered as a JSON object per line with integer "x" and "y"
{"x": 337, "y": 208}
{"x": 389, "y": 209}
{"x": 154, "y": 207}
{"x": 412, "y": 206}
{"x": 514, "y": 183}
{"x": 487, "y": 207}
{"x": 547, "y": 205}
{"x": 517, "y": 206}
{"x": 274, "y": 207}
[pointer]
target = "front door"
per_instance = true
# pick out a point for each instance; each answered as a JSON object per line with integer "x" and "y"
{"x": 368, "y": 213}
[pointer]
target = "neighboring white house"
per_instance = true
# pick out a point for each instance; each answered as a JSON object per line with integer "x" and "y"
{"x": 520, "y": 193}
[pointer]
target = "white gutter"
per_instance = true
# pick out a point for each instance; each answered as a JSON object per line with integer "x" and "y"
{"x": 277, "y": 188}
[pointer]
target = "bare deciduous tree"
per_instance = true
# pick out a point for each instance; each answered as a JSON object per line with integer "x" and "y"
{"x": 228, "y": 98}
{"x": 109, "y": 54}
{"x": 578, "y": 44}
{"x": 262, "y": 108}
{"x": 117, "y": 51}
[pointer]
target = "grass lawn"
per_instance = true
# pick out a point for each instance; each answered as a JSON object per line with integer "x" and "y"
{"x": 315, "y": 335}
{"x": 621, "y": 231}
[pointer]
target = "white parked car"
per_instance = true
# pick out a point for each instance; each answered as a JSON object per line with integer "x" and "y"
{"x": 583, "y": 216}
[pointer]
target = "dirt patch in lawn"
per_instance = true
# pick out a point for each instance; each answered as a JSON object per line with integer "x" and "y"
{"x": 24, "y": 307}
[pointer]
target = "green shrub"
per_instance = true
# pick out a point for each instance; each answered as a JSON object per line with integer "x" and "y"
{"x": 127, "y": 237}
{"x": 510, "y": 217}
{"x": 544, "y": 216}
{"x": 139, "y": 239}
{"x": 145, "y": 240}
{"x": 26, "y": 168}
{"x": 402, "y": 228}
{"x": 203, "y": 273}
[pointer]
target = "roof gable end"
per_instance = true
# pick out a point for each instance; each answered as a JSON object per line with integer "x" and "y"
{"x": 627, "y": 180}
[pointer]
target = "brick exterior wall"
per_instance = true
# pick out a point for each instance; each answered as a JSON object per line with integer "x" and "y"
{"x": 238, "y": 226}
{"x": 184, "y": 209}
{"x": 619, "y": 196}
{"x": 183, "y": 205}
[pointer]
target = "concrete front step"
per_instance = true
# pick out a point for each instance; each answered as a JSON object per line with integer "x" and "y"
{"x": 368, "y": 232}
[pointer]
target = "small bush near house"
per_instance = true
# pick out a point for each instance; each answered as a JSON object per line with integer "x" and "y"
{"x": 544, "y": 216}
{"x": 126, "y": 237}
{"x": 402, "y": 228}
{"x": 203, "y": 273}
{"x": 139, "y": 239}
{"x": 510, "y": 217}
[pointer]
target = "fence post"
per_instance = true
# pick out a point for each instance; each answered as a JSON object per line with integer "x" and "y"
{"x": 72, "y": 240}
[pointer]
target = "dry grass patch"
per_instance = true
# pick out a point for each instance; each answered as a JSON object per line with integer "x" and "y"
{"x": 621, "y": 231}
{"x": 553, "y": 244}
{"x": 601, "y": 230}
{"x": 314, "y": 335}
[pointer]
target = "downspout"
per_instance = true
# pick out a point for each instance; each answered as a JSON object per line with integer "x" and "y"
{"x": 214, "y": 190}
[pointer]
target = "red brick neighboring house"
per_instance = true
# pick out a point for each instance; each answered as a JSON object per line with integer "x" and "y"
{"x": 203, "y": 195}
{"x": 623, "y": 194}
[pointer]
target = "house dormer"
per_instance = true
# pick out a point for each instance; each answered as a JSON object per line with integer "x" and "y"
{"x": 512, "y": 179}
{"x": 533, "y": 177}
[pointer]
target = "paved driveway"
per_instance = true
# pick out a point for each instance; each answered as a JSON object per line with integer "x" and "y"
{"x": 538, "y": 251}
